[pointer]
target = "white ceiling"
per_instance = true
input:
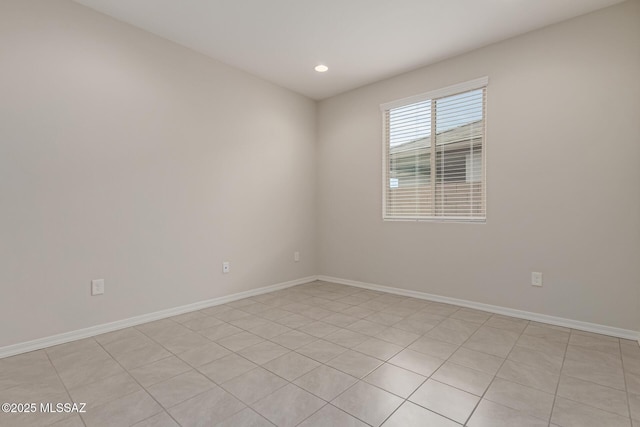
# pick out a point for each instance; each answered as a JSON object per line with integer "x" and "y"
{"x": 361, "y": 41}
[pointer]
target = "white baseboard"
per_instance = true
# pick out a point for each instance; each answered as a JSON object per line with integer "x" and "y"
{"x": 543, "y": 318}
{"x": 66, "y": 337}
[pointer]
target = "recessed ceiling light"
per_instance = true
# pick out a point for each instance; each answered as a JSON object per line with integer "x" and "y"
{"x": 321, "y": 68}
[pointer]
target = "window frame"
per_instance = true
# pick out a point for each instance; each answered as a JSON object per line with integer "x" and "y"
{"x": 479, "y": 83}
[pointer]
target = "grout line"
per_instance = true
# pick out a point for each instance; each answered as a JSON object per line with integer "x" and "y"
{"x": 624, "y": 378}
{"x": 555, "y": 394}
{"x": 143, "y": 388}
{"x": 63, "y": 385}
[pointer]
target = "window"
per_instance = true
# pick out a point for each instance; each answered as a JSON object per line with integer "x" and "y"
{"x": 434, "y": 155}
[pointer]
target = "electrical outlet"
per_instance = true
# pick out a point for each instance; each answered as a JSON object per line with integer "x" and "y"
{"x": 97, "y": 287}
{"x": 296, "y": 256}
{"x": 536, "y": 278}
{"x": 226, "y": 267}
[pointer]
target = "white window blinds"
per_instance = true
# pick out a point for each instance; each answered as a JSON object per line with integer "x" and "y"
{"x": 434, "y": 155}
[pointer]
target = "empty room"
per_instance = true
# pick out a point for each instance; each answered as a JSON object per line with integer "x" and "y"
{"x": 251, "y": 213}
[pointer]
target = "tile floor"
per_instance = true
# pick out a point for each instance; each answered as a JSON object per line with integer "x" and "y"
{"x": 323, "y": 354}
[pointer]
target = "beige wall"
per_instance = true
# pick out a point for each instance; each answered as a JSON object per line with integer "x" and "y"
{"x": 126, "y": 157}
{"x": 563, "y": 178}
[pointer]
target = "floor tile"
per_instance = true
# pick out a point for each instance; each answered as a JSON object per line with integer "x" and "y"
{"x": 536, "y": 359}
{"x": 120, "y": 346}
{"x": 159, "y": 371}
{"x": 180, "y": 388}
{"x": 294, "y": 320}
{"x": 171, "y": 332}
{"x": 445, "y": 400}
{"x": 275, "y": 314}
{"x": 368, "y": 403}
{"x": 248, "y": 322}
{"x": 633, "y": 383}
{"x": 529, "y": 376}
{"x": 293, "y": 339}
{"x": 483, "y": 362}
{"x": 599, "y": 373}
{"x": 254, "y": 385}
{"x": 395, "y": 380}
{"x": 492, "y": 341}
{"x": 542, "y": 345}
{"x": 441, "y": 309}
{"x": 104, "y": 390}
{"x": 258, "y": 308}
{"x": 598, "y": 343}
{"x": 382, "y": 318}
{"x": 88, "y": 371}
{"x": 419, "y": 363}
{"x": 206, "y": 409}
{"x": 74, "y": 348}
{"x": 340, "y": 320}
{"x": 451, "y": 336}
{"x": 397, "y": 336}
{"x": 202, "y": 323}
{"x": 548, "y": 332}
{"x": 263, "y": 352}
{"x": 522, "y": 398}
{"x": 583, "y": 354}
{"x": 415, "y": 326}
{"x": 160, "y": 420}
{"x": 185, "y": 342}
{"x": 567, "y": 413}
{"x": 400, "y": 311}
{"x": 26, "y": 369}
{"x": 355, "y": 364}
{"x": 367, "y": 327}
{"x": 239, "y": 341}
{"x": 205, "y": 354}
{"x": 317, "y": 313}
{"x": 490, "y": 414}
{"x": 325, "y": 382}
{"x": 412, "y": 415}
{"x": 318, "y": 329}
{"x": 269, "y": 330}
{"x": 588, "y": 393}
{"x": 433, "y": 347}
{"x": 377, "y": 348}
{"x": 321, "y": 350}
{"x": 227, "y": 368}
{"x": 634, "y": 404}
{"x": 291, "y": 365}
{"x": 215, "y": 333}
{"x": 288, "y": 406}
{"x": 245, "y": 418}
{"x": 232, "y": 314}
{"x": 346, "y": 338}
{"x": 75, "y": 421}
{"x": 142, "y": 356}
{"x": 427, "y": 317}
{"x": 330, "y": 416}
{"x": 124, "y": 411}
{"x": 464, "y": 378}
{"x": 44, "y": 390}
